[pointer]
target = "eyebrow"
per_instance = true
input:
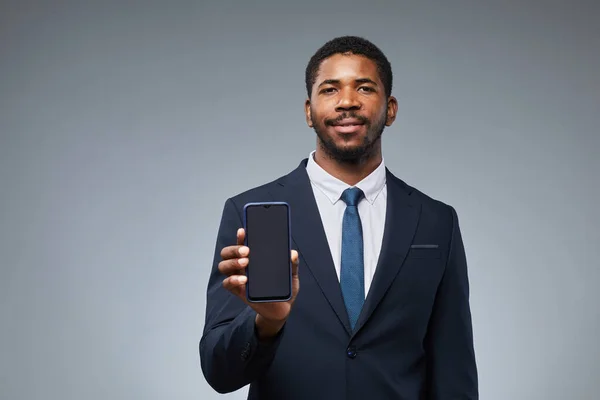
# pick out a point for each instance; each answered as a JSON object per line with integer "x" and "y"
{"x": 337, "y": 81}
{"x": 366, "y": 80}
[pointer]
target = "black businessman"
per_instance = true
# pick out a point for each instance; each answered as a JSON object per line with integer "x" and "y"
{"x": 383, "y": 309}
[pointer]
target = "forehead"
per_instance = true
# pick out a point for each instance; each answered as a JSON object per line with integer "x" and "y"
{"x": 347, "y": 67}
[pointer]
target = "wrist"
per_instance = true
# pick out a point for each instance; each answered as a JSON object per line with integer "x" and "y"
{"x": 267, "y": 329}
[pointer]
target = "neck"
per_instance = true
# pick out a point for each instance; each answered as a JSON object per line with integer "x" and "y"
{"x": 348, "y": 172}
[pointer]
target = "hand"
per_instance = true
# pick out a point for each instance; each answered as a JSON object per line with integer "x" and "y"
{"x": 270, "y": 317}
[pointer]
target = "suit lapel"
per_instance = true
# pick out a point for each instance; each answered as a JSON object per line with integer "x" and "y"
{"x": 402, "y": 215}
{"x": 309, "y": 237}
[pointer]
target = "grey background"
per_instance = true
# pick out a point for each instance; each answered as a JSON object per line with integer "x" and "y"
{"x": 125, "y": 126}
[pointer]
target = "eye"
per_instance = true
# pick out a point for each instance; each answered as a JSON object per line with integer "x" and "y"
{"x": 366, "y": 89}
{"x": 328, "y": 90}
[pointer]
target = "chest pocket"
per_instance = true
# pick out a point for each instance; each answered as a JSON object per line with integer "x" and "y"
{"x": 425, "y": 251}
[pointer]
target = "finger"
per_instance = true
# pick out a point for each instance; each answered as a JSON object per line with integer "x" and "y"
{"x": 236, "y": 251}
{"x": 236, "y": 284}
{"x": 295, "y": 262}
{"x": 234, "y": 266}
{"x": 241, "y": 235}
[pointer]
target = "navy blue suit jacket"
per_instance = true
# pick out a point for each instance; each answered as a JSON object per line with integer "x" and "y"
{"x": 413, "y": 339}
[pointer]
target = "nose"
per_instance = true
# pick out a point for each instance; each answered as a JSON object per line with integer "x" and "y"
{"x": 348, "y": 100}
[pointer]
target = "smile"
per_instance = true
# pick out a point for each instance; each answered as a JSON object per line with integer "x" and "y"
{"x": 349, "y": 122}
{"x": 348, "y": 125}
{"x": 347, "y": 128}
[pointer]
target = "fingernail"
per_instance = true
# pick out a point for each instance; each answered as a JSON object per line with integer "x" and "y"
{"x": 243, "y": 261}
{"x": 243, "y": 251}
{"x": 242, "y": 279}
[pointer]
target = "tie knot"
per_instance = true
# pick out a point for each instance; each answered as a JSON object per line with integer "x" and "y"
{"x": 351, "y": 196}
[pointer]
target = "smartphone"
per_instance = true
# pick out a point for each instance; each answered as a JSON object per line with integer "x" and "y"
{"x": 268, "y": 236}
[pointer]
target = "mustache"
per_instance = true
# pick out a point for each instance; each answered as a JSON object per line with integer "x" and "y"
{"x": 333, "y": 121}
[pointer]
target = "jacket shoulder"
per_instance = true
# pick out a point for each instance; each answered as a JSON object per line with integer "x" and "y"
{"x": 430, "y": 206}
{"x": 258, "y": 193}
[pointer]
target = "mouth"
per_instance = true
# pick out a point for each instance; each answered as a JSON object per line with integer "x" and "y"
{"x": 348, "y": 125}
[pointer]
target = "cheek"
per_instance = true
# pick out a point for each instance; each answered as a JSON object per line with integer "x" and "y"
{"x": 379, "y": 114}
{"x": 316, "y": 116}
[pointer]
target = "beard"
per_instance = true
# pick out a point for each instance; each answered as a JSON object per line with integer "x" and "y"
{"x": 350, "y": 154}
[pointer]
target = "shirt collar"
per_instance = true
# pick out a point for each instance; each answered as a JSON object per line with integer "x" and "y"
{"x": 333, "y": 187}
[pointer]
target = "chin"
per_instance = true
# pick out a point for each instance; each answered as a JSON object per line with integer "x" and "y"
{"x": 349, "y": 140}
{"x": 349, "y": 154}
{"x": 346, "y": 147}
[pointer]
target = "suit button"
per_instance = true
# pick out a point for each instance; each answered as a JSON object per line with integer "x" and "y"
{"x": 351, "y": 352}
{"x": 245, "y": 352}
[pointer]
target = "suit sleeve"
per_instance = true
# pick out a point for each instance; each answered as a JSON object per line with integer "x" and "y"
{"x": 231, "y": 356}
{"x": 451, "y": 365}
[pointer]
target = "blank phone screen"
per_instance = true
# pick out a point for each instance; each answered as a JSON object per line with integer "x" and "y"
{"x": 267, "y": 232}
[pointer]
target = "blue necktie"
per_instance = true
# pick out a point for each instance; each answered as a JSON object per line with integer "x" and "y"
{"x": 352, "y": 269}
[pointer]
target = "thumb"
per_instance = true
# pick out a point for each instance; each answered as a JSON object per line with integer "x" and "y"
{"x": 295, "y": 262}
{"x": 241, "y": 235}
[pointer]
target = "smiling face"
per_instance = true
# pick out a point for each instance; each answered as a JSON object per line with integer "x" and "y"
{"x": 348, "y": 108}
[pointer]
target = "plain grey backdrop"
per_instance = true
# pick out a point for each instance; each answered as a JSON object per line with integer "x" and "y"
{"x": 126, "y": 125}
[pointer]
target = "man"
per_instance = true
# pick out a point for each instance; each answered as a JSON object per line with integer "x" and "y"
{"x": 383, "y": 312}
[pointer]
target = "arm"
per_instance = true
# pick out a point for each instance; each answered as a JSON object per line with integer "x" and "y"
{"x": 231, "y": 353}
{"x": 451, "y": 366}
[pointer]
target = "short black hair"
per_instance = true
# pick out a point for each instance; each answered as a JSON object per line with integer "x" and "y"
{"x": 354, "y": 45}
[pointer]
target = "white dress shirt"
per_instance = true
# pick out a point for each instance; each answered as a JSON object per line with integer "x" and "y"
{"x": 371, "y": 209}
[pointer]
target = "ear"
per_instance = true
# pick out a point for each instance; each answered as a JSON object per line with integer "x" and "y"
{"x": 307, "y": 113}
{"x": 392, "y": 110}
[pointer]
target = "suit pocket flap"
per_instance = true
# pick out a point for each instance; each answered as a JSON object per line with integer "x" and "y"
{"x": 424, "y": 251}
